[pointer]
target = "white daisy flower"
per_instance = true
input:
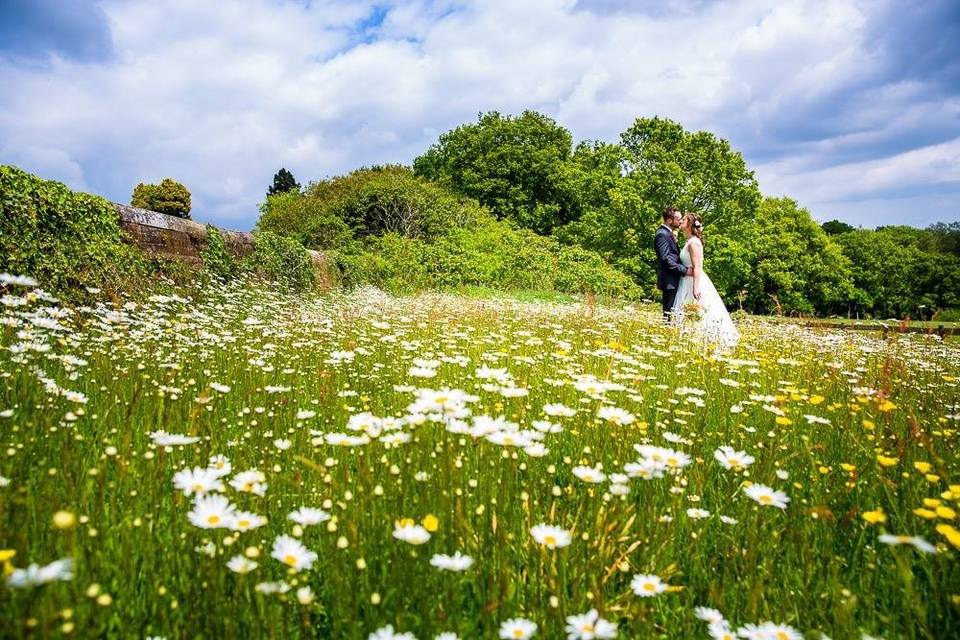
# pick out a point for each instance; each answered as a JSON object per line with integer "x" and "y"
{"x": 550, "y": 536}
{"x": 518, "y": 629}
{"x": 767, "y": 496}
{"x": 308, "y": 516}
{"x": 212, "y": 511}
{"x": 588, "y": 626}
{"x": 410, "y": 533}
{"x": 456, "y": 562}
{"x": 647, "y": 585}
{"x": 292, "y": 553}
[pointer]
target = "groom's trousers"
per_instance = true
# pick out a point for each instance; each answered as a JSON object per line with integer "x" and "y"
{"x": 669, "y": 295}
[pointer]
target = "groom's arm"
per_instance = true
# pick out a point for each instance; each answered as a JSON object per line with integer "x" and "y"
{"x": 662, "y": 246}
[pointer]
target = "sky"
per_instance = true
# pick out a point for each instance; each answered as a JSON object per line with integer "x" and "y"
{"x": 852, "y": 108}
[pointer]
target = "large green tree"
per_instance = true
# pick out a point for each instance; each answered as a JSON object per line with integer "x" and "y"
{"x": 514, "y": 165}
{"x": 795, "y": 267}
{"x": 695, "y": 171}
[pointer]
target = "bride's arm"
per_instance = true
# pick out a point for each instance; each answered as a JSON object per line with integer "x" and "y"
{"x": 696, "y": 257}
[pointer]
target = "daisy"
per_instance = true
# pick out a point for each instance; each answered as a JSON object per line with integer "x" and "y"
{"x": 588, "y": 626}
{"x": 244, "y": 521}
{"x": 708, "y": 614}
{"x": 558, "y": 410}
{"x": 767, "y": 496}
{"x": 35, "y": 575}
{"x": 589, "y": 474}
{"x": 768, "y": 631}
{"x": 307, "y": 516}
{"x": 220, "y": 465}
{"x": 410, "y": 533}
{"x": 164, "y": 439}
{"x": 212, "y": 511}
{"x": 535, "y": 450}
{"x": 251, "y": 481}
{"x": 197, "y": 481}
{"x": 916, "y": 541}
{"x": 272, "y": 587}
{"x": 456, "y": 562}
{"x": 292, "y": 553}
{"x": 240, "y": 564}
{"x": 697, "y": 514}
{"x": 647, "y": 585}
{"x": 721, "y": 631}
{"x": 282, "y": 443}
{"x": 518, "y": 629}
{"x": 387, "y": 633}
{"x": 551, "y": 537}
{"x": 731, "y": 459}
{"x": 615, "y": 415}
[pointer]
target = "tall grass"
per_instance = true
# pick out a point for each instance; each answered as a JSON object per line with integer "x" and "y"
{"x": 884, "y": 436}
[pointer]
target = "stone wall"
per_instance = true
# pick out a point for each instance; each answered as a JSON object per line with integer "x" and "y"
{"x": 171, "y": 237}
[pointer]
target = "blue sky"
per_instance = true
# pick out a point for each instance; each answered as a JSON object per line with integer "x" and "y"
{"x": 852, "y": 108}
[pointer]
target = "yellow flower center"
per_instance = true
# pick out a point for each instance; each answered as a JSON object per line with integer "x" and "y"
{"x": 198, "y": 488}
{"x": 290, "y": 560}
{"x": 243, "y": 523}
{"x": 518, "y": 633}
{"x": 214, "y": 519}
{"x": 650, "y": 587}
{"x": 549, "y": 540}
{"x": 765, "y": 499}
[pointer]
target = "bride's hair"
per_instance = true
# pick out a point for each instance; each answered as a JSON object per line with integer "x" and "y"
{"x": 696, "y": 225}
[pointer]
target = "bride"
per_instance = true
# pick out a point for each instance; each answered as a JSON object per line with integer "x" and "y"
{"x": 696, "y": 295}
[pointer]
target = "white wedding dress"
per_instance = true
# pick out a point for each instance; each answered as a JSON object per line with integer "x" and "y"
{"x": 715, "y": 324}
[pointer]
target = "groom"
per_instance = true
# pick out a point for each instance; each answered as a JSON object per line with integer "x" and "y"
{"x": 669, "y": 268}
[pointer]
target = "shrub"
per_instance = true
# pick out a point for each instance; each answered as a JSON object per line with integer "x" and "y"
{"x": 216, "y": 259}
{"x": 64, "y": 239}
{"x": 168, "y": 197}
{"x": 282, "y": 260}
{"x": 370, "y": 201}
{"x": 308, "y": 220}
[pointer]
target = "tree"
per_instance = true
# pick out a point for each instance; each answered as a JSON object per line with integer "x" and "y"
{"x": 169, "y": 197}
{"x": 693, "y": 171}
{"x": 367, "y": 202}
{"x": 836, "y": 227}
{"x": 514, "y": 165}
{"x": 283, "y": 181}
{"x": 797, "y": 267}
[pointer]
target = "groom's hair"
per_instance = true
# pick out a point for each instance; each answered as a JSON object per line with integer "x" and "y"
{"x": 669, "y": 211}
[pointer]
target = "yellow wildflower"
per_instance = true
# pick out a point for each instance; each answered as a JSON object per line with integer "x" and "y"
{"x": 430, "y": 522}
{"x": 886, "y": 461}
{"x": 946, "y": 513}
{"x": 922, "y": 467}
{"x": 875, "y": 516}
{"x": 925, "y": 513}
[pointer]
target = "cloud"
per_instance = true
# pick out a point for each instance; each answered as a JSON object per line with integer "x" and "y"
{"x": 221, "y": 95}
{"x": 33, "y": 30}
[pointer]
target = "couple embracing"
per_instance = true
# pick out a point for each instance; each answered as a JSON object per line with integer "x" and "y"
{"x": 689, "y": 296}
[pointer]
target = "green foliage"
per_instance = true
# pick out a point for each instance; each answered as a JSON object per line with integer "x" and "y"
{"x": 309, "y": 220}
{"x": 282, "y": 260}
{"x": 169, "y": 197}
{"x": 490, "y": 254}
{"x": 797, "y": 267}
{"x": 65, "y": 240}
{"x": 668, "y": 165}
{"x": 370, "y": 201}
{"x": 899, "y": 272}
{"x": 836, "y": 227}
{"x": 216, "y": 259}
{"x": 283, "y": 182}
{"x": 516, "y": 166}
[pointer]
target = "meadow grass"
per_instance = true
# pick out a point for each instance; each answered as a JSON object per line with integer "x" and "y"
{"x": 425, "y": 420}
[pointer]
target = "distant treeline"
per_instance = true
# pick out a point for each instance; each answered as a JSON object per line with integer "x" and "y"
{"x": 510, "y": 201}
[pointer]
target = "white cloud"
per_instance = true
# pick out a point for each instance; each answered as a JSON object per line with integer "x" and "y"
{"x": 220, "y": 95}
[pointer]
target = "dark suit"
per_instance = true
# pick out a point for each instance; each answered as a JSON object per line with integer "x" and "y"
{"x": 669, "y": 268}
